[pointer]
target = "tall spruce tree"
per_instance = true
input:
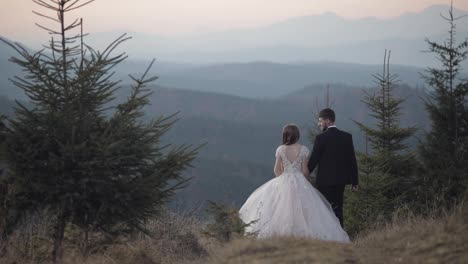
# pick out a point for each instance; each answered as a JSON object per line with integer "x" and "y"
{"x": 92, "y": 163}
{"x": 387, "y": 138}
{"x": 444, "y": 152}
{"x": 385, "y": 170}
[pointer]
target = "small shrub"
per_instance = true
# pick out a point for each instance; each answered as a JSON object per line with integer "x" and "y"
{"x": 225, "y": 224}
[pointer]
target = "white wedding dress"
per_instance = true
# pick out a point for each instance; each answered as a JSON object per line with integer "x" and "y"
{"x": 289, "y": 205}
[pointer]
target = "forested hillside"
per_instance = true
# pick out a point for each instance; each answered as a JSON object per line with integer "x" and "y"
{"x": 241, "y": 134}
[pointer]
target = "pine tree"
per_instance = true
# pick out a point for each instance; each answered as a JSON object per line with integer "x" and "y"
{"x": 387, "y": 138}
{"x": 385, "y": 170}
{"x": 369, "y": 206}
{"x": 92, "y": 163}
{"x": 225, "y": 223}
{"x": 444, "y": 152}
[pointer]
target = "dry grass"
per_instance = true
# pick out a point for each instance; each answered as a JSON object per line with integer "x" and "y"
{"x": 176, "y": 239}
{"x": 416, "y": 240}
{"x": 179, "y": 240}
{"x": 30, "y": 242}
{"x": 284, "y": 250}
{"x": 405, "y": 240}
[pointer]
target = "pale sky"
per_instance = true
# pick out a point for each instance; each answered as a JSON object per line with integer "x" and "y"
{"x": 176, "y": 17}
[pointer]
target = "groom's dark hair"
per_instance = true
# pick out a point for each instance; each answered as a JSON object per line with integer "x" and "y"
{"x": 327, "y": 113}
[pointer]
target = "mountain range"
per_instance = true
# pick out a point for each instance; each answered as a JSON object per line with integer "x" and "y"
{"x": 251, "y": 80}
{"x": 235, "y": 90}
{"x": 325, "y": 37}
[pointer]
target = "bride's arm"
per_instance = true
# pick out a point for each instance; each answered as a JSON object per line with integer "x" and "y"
{"x": 305, "y": 169}
{"x": 278, "y": 169}
{"x": 305, "y": 163}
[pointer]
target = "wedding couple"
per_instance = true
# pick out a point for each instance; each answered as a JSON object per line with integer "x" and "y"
{"x": 289, "y": 205}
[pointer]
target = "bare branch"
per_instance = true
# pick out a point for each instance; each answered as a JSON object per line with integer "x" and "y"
{"x": 114, "y": 44}
{"x": 70, "y": 9}
{"x": 72, "y": 4}
{"x": 51, "y": 31}
{"x": 73, "y": 25}
{"x": 147, "y": 70}
{"x": 44, "y": 4}
{"x": 51, "y": 18}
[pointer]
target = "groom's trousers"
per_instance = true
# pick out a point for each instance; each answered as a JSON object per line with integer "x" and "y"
{"x": 334, "y": 195}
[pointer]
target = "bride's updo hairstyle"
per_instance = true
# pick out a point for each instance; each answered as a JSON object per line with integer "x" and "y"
{"x": 291, "y": 134}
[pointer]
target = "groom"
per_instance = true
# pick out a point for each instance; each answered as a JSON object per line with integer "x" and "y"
{"x": 334, "y": 153}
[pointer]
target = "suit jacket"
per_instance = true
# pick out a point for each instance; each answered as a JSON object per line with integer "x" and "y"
{"x": 333, "y": 152}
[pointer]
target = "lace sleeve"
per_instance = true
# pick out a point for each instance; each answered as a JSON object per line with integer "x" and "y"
{"x": 305, "y": 153}
{"x": 277, "y": 154}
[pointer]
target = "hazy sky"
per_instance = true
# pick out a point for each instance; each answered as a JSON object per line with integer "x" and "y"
{"x": 174, "y": 17}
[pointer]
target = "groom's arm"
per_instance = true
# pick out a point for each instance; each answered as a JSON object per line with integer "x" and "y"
{"x": 315, "y": 156}
{"x": 354, "y": 168}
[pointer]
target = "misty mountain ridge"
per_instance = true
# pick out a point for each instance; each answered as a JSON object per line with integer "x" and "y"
{"x": 325, "y": 37}
{"x": 259, "y": 79}
{"x": 312, "y": 38}
{"x": 279, "y": 58}
{"x": 273, "y": 80}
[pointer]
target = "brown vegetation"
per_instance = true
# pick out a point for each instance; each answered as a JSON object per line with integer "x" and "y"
{"x": 406, "y": 239}
{"x": 175, "y": 238}
{"x": 180, "y": 239}
{"x": 415, "y": 240}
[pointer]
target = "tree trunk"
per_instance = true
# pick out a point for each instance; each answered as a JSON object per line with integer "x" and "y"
{"x": 85, "y": 242}
{"x": 59, "y": 232}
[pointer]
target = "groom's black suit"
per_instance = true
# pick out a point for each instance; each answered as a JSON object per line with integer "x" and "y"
{"x": 333, "y": 151}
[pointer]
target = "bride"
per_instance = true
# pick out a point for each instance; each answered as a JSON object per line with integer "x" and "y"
{"x": 289, "y": 205}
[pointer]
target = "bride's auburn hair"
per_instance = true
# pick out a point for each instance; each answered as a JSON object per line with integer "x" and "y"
{"x": 291, "y": 134}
